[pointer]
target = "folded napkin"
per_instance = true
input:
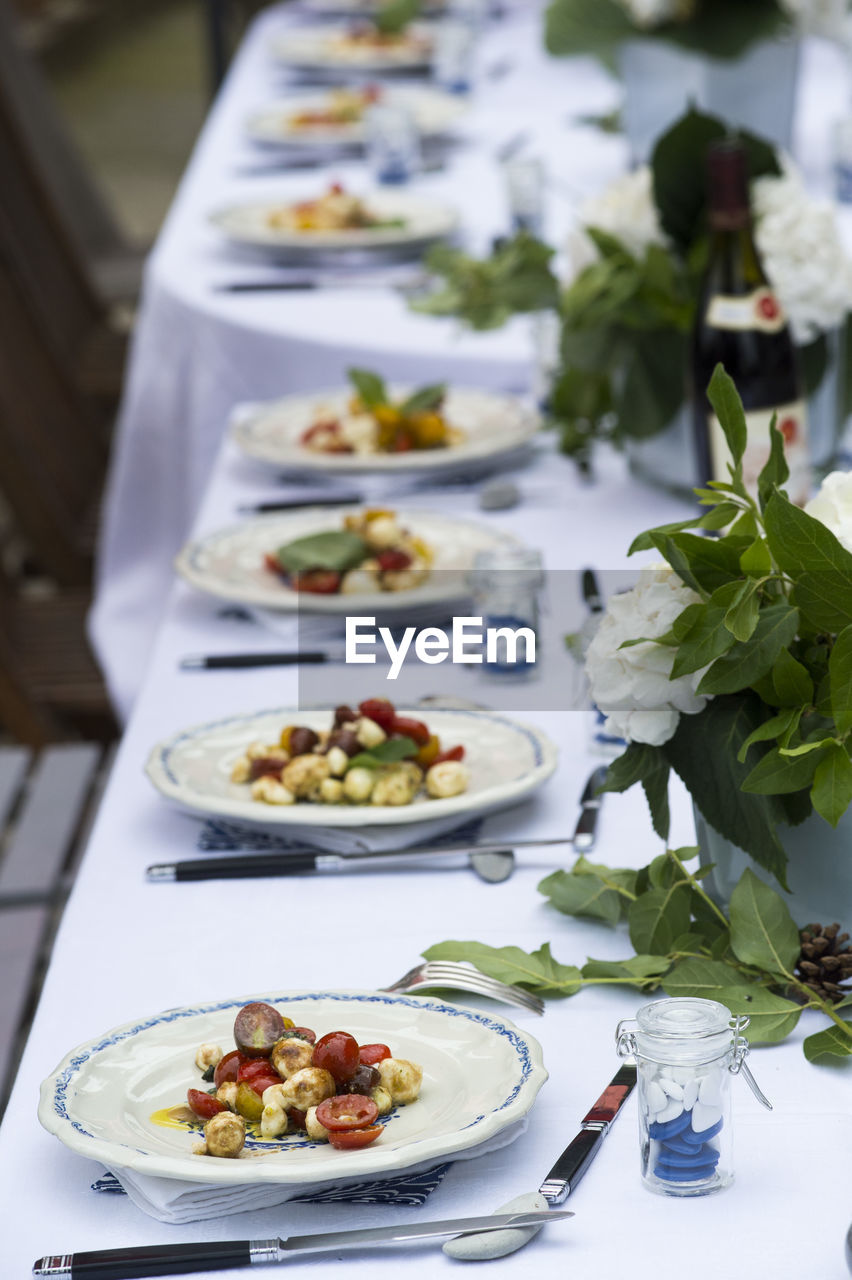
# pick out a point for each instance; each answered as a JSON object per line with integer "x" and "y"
{"x": 217, "y": 835}
{"x": 171, "y": 1200}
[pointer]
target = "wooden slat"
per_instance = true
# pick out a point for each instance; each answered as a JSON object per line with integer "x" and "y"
{"x": 13, "y": 769}
{"x": 21, "y": 933}
{"x": 51, "y": 816}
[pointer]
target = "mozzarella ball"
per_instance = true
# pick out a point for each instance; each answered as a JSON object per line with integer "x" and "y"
{"x": 338, "y": 761}
{"x": 401, "y": 579}
{"x": 225, "y": 1135}
{"x": 227, "y": 1093}
{"x": 241, "y": 770}
{"x": 331, "y": 791}
{"x": 304, "y": 776}
{"x": 308, "y": 1088}
{"x": 207, "y": 1055}
{"x": 359, "y": 581}
{"x": 273, "y": 1119}
{"x": 313, "y": 1128}
{"x": 401, "y": 1078}
{"x": 291, "y": 1055}
{"x": 382, "y": 1099}
{"x": 261, "y": 750}
{"x": 449, "y": 778}
{"x": 383, "y": 532}
{"x": 358, "y": 784}
{"x": 271, "y": 791}
{"x": 368, "y": 733}
{"x": 393, "y": 788}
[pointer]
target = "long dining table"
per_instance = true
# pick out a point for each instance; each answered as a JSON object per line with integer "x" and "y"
{"x": 128, "y": 948}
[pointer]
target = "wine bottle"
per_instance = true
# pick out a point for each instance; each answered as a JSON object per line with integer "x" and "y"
{"x": 741, "y": 323}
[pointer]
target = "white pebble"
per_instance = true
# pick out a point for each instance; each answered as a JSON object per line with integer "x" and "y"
{"x": 670, "y": 1112}
{"x": 656, "y": 1097}
{"x": 671, "y": 1087}
{"x": 690, "y": 1095}
{"x": 710, "y": 1091}
{"x": 482, "y": 1245}
{"x": 704, "y": 1117}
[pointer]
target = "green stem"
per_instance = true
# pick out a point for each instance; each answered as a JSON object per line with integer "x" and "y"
{"x": 816, "y": 1002}
{"x": 697, "y": 887}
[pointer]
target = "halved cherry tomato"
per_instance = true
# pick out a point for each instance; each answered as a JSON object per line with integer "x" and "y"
{"x": 391, "y": 561}
{"x": 296, "y": 1117}
{"x": 227, "y": 1067}
{"x": 257, "y": 1027}
{"x": 338, "y": 1053}
{"x": 305, "y": 1033}
{"x": 370, "y": 1054}
{"x": 415, "y": 729}
{"x": 319, "y": 582}
{"x": 347, "y": 1111}
{"x": 454, "y": 753}
{"x": 261, "y": 1083}
{"x": 254, "y": 1069}
{"x": 380, "y": 710}
{"x": 273, "y": 564}
{"x": 204, "y": 1104}
{"x": 352, "y": 1139}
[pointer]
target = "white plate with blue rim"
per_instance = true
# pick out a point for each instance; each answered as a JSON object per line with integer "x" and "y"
{"x": 506, "y": 762}
{"x": 481, "y": 1076}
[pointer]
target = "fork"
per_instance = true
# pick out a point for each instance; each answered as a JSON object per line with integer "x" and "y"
{"x": 446, "y": 973}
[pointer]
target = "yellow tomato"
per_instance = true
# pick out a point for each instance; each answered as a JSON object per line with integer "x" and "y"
{"x": 387, "y": 415}
{"x": 284, "y": 741}
{"x": 427, "y": 753}
{"x": 378, "y": 513}
{"x": 428, "y": 429}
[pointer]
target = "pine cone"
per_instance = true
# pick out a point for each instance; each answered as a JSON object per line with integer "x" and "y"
{"x": 825, "y": 961}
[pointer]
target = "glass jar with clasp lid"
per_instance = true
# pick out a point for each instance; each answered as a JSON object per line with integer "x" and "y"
{"x": 686, "y": 1051}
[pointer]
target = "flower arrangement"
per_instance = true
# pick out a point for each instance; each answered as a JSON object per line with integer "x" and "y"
{"x": 731, "y": 665}
{"x": 720, "y": 28}
{"x": 636, "y": 262}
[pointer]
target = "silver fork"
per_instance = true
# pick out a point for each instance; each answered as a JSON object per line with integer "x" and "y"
{"x": 447, "y": 973}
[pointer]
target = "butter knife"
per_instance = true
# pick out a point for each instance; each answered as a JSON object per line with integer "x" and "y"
{"x": 585, "y": 833}
{"x": 220, "y": 1255}
{"x": 581, "y": 1151}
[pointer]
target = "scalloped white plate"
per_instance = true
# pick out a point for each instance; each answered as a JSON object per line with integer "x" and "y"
{"x": 493, "y": 425}
{"x": 229, "y": 563}
{"x": 480, "y": 1075}
{"x": 318, "y": 48}
{"x": 507, "y": 761}
{"x": 433, "y": 112}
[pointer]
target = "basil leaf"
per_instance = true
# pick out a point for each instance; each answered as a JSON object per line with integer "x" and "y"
{"x": 338, "y": 550}
{"x": 425, "y": 399}
{"x": 388, "y": 752}
{"x": 395, "y": 15}
{"x": 370, "y": 387}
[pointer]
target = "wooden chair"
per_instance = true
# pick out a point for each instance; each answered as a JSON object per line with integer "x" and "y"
{"x": 114, "y": 265}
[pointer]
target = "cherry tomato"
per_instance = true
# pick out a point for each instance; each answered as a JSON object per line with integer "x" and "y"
{"x": 370, "y": 1054}
{"x": 347, "y": 1111}
{"x": 273, "y": 564}
{"x": 296, "y": 1118}
{"x": 256, "y": 1069}
{"x": 393, "y": 560}
{"x": 454, "y": 753}
{"x": 265, "y": 766}
{"x": 261, "y": 1083}
{"x": 319, "y": 582}
{"x": 204, "y": 1104}
{"x": 415, "y": 729}
{"x": 352, "y": 1139}
{"x": 428, "y": 755}
{"x": 256, "y": 1029}
{"x": 402, "y": 444}
{"x": 380, "y": 710}
{"x": 305, "y": 1033}
{"x": 227, "y": 1067}
{"x": 338, "y": 1053}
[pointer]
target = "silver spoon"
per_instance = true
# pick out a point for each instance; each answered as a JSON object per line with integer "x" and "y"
{"x": 493, "y": 865}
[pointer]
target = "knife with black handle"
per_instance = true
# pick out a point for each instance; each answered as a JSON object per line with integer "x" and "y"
{"x": 586, "y": 830}
{"x": 581, "y": 1151}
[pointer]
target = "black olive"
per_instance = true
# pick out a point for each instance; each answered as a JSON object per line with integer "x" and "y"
{"x": 346, "y": 740}
{"x": 302, "y": 741}
{"x": 364, "y": 1081}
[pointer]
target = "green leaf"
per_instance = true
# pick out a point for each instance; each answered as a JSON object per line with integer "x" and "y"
{"x": 395, "y": 15}
{"x": 388, "y": 752}
{"x": 702, "y": 979}
{"x": 637, "y": 762}
{"x": 747, "y": 662}
{"x": 776, "y": 775}
{"x": 742, "y": 617}
{"x": 771, "y": 728}
{"x": 651, "y": 392}
{"x": 840, "y": 672}
{"x": 655, "y": 784}
{"x": 791, "y": 682}
{"x": 646, "y": 541}
{"x": 832, "y": 790}
{"x": 643, "y": 972}
{"x": 724, "y": 397}
{"x": 762, "y": 930}
{"x": 338, "y": 550}
{"x": 703, "y": 752}
{"x": 369, "y": 386}
{"x": 708, "y": 638}
{"x": 756, "y": 560}
{"x": 833, "y": 1042}
{"x": 772, "y": 1017}
{"x": 657, "y": 917}
{"x": 586, "y": 26}
{"x": 536, "y": 969}
{"x": 820, "y": 567}
{"x": 582, "y": 894}
{"x": 775, "y": 472}
{"x": 712, "y": 562}
{"x": 424, "y": 399}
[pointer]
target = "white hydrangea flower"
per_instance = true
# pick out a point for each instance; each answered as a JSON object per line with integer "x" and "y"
{"x": 803, "y": 254}
{"x": 631, "y": 686}
{"x": 833, "y": 506}
{"x": 625, "y": 209}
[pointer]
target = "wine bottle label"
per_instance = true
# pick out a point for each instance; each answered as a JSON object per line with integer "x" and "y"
{"x": 792, "y": 422}
{"x": 759, "y": 310}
